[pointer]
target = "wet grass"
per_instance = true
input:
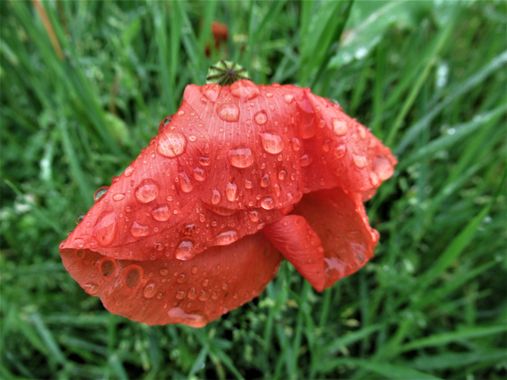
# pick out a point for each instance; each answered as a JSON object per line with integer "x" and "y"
{"x": 83, "y": 87}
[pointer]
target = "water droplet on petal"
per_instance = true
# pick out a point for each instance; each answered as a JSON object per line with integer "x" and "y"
{"x": 383, "y": 167}
{"x": 261, "y": 117}
{"x": 265, "y": 181}
{"x": 340, "y": 151}
{"x": 146, "y": 192}
{"x": 161, "y": 214}
{"x": 164, "y": 272}
{"x": 185, "y": 184}
{"x": 181, "y": 278}
{"x": 360, "y": 161}
{"x": 139, "y": 230}
{"x": 374, "y": 179}
{"x": 241, "y": 157}
{"x": 128, "y": 172}
{"x": 254, "y": 216}
{"x": 211, "y": 92}
{"x": 91, "y": 288}
{"x": 178, "y": 315}
{"x": 118, "y": 197}
{"x": 171, "y": 144}
{"x": 100, "y": 192}
{"x": 204, "y": 161}
{"x": 180, "y": 295}
{"x": 244, "y": 90}
{"x": 185, "y": 250}
{"x": 282, "y": 174}
{"x": 288, "y": 98}
{"x": 296, "y": 144}
{"x": 215, "y": 196}
{"x": 150, "y": 290}
{"x": 231, "y": 192}
{"x": 305, "y": 160}
{"x": 339, "y": 127}
{"x": 107, "y": 267}
{"x": 228, "y": 112}
{"x": 133, "y": 275}
{"x": 105, "y": 229}
{"x": 199, "y": 174}
{"x": 267, "y": 203}
{"x": 272, "y": 143}
{"x": 226, "y": 237}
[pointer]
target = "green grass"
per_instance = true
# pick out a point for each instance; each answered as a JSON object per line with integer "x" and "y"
{"x": 429, "y": 78}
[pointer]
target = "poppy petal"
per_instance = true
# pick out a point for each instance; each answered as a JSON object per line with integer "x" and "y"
{"x": 340, "y": 221}
{"x": 300, "y": 245}
{"x": 172, "y": 291}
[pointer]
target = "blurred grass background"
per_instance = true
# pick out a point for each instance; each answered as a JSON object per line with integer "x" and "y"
{"x": 83, "y": 87}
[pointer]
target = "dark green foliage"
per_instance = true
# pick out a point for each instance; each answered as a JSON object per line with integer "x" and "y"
{"x": 429, "y": 78}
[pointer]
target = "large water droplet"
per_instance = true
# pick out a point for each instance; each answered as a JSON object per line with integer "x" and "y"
{"x": 105, "y": 229}
{"x": 241, "y": 157}
{"x": 146, "y": 192}
{"x": 161, "y": 214}
{"x": 199, "y": 174}
{"x": 215, "y": 197}
{"x": 360, "y": 161}
{"x": 244, "y": 90}
{"x": 339, "y": 127}
{"x": 178, "y": 315}
{"x": 91, "y": 288}
{"x": 100, "y": 192}
{"x": 231, "y": 191}
{"x": 185, "y": 183}
{"x": 261, "y": 118}
{"x": 267, "y": 203}
{"x": 288, "y": 98}
{"x": 228, "y": 112}
{"x": 133, "y": 275}
{"x": 271, "y": 143}
{"x": 185, "y": 250}
{"x": 118, "y": 197}
{"x": 226, "y": 237}
{"x": 139, "y": 230}
{"x": 150, "y": 290}
{"x": 171, "y": 144}
{"x": 107, "y": 267}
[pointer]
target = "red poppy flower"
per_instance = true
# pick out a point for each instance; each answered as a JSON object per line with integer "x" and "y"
{"x": 241, "y": 176}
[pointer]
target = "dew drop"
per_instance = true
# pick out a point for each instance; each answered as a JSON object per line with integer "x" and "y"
{"x": 282, "y": 174}
{"x": 91, "y": 288}
{"x": 340, "y": 150}
{"x": 288, "y": 98}
{"x": 161, "y": 214}
{"x": 192, "y": 295}
{"x": 305, "y": 160}
{"x": 146, "y": 192}
{"x": 215, "y": 197}
{"x": 339, "y": 127}
{"x": 199, "y": 174}
{"x": 139, "y": 230}
{"x": 254, "y": 216}
{"x": 185, "y": 250}
{"x": 171, "y": 144}
{"x": 271, "y": 143}
{"x": 185, "y": 184}
{"x": 150, "y": 290}
{"x": 204, "y": 161}
{"x": 231, "y": 191}
{"x": 203, "y": 296}
{"x": 244, "y": 90}
{"x": 241, "y": 158}
{"x": 100, "y": 192}
{"x": 118, "y": 197}
{"x": 226, "y": 237}
{"x": 261, "y": 118}
{"x": 374, "y": 179}
{"x": 181, "y": 278}
{"x": 164, "y": 272}
{"x": 133, "y": 276}
{"x": 107, "y": 267}
{"x": 105, "y": 229}
{"x": 360, "y": 161}
{"x": 128, "y": 172}
{"x": 383, "y": 167}
{"x": 296, "y": 144}
{"x": 178, "y": 315}
{"x": 265, "y": 181}
{"x": 180, "y": 295}
{"x": 228, "y": 112}
{"x": 267, "y": 203}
